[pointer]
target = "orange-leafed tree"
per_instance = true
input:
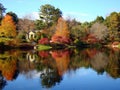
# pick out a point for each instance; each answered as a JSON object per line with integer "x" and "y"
{"x": 62, "y": 33}
{"x": 8, "y": 68}
{"x": 8, "y": 27}
{"x": 62, "y": 59}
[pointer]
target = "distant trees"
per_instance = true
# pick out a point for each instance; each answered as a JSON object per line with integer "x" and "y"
{"x": 102, "y": 29}
{"x": 99, "y": 30}
{"x": 78, "y": 31}
{"x": 113, "y": 23}
{"x": 54, "y": 27}
{"x": 26, "y": 24}
{"x": 74, "y": 28}
{"x": 99, "y": 19}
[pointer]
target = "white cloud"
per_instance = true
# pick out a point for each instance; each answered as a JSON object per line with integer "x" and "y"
{"x": 31, "y": 15}
{"x": 77, "y": 15}
{"x": 35, "y": 15}
{"x": 82, "y": 17}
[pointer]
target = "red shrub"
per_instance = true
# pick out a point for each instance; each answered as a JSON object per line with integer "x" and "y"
{"x": 43, "y": 41}
{"x": 60, "y": 39}
{"x": 43, "y": 54}
{"x": 91, "y": 39}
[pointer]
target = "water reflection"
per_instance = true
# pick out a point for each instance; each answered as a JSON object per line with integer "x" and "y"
{"x": 52, "y": 65}
{"x": 2, "y": 81}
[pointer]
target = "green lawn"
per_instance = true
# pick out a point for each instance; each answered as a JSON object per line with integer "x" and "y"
{"x": 3, "y": 39}
{"x": 119, "y": 46}
{"x": 41, "y": 47}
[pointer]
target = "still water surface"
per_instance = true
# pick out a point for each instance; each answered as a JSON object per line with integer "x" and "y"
{"x": 87, "y": 69}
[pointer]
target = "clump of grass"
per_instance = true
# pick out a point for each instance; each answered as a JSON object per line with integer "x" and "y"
{"x": 41, "y": 47}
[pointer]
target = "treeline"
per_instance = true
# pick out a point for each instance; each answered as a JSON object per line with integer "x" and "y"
{"x": 102, "y": 30}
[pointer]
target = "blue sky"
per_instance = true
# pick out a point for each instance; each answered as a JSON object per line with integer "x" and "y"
{"x": 82, "y": 10}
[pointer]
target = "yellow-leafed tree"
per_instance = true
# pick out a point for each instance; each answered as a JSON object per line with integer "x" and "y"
{"x": 62, "y": 28}
{"x": 8, "y": 27}
{"x": 62, "y": 33}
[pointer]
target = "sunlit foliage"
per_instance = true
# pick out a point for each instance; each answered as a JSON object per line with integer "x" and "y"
{"x": 113, "y": 24}
{"x": 8, "y": 27}
{"x": 62, "y": 33}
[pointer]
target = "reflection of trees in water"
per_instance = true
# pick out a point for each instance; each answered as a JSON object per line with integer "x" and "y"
{"x": 45, "y": 61}
{"x": 79, "y": 60}
{"x": 43, "y": 54}
{"x": 99, "y": 62}
{"x": 26, "y": 63}
{"x": 50, "y": 78}
{"x": 2, "y": 81}
{"x": 25, "y": 66}
{"x": 53, "y": 67}
{"x": 14, "y": 62}
{"x": 8, "y": 65}
{"x": 113, "y": 68}
{"x": 47, "y": 66}
{"x": 62, "y": 59}
{"x": 53, "y": 64}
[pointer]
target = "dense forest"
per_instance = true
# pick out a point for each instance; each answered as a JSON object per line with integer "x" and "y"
{"x": 52, "y": 29}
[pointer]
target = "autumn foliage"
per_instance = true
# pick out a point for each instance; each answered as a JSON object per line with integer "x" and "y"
{"x": 43, "y": 41}
{"x": 62, "y": 33}
{"x": 62, "y": 28}
{"x": 43, "y": 54}
{"x": 60, "y": 39}
{"x": 91, "y": 39}
{"x": 62, "y": 58}
{"x": 8, "y": 68}
{"x": 91, "y": 52}
{"x": 8, "y": 27}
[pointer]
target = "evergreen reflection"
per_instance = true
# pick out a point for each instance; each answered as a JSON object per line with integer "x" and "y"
{"x": 50, "y": 78}
{"x": 2, "y": 81}
{"x": 49, "y": 73}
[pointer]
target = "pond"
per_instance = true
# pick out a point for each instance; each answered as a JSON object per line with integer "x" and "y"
{"x": 86, "y": 69}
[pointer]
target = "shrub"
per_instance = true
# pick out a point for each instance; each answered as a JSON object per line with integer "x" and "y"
{"x": 43, "y": 41}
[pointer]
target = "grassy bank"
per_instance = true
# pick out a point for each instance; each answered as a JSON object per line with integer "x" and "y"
{"x": 41, "y": 47}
